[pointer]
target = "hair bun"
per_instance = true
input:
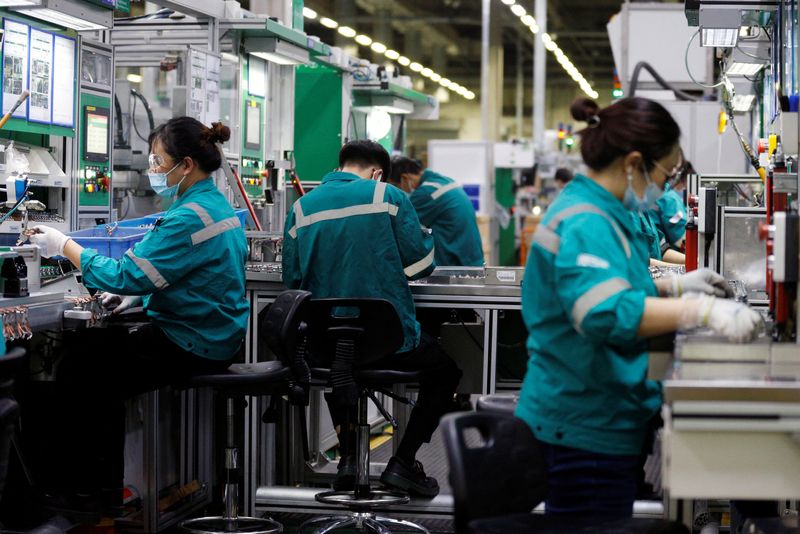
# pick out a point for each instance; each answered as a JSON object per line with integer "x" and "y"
{"x": 584, "y": 108}
{"x": 219, "y": 133}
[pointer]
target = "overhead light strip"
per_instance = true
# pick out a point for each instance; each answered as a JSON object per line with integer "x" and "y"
{"x": 552, "y": 47}
{"x": 392, "y": 55}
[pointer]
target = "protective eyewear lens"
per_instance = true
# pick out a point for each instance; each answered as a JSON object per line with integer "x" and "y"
{"x": 155, "y": 161}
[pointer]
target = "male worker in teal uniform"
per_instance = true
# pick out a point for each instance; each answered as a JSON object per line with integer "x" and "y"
{"x": 356, "y": 236}
{"x": 443, "y": 206}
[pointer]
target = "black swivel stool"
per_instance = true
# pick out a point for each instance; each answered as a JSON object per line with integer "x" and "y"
{"x": 497, "y": 403}
{"x": 281, "y": 322}
{"x": 498, "y": 476}
{"x": 352, "y": 333}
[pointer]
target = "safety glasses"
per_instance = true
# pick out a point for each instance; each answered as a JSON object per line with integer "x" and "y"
{"x": 674, "y": 175}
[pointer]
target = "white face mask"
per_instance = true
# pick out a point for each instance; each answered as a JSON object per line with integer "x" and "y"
{"x": 651, "y": 194}
{"x": 158, "y": 183}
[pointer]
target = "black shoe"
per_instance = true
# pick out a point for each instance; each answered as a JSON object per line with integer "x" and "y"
{"x": 346, "y": 475}
{"x": 410, "y": 478}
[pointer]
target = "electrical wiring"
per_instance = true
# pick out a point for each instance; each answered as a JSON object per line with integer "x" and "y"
{"x": 689, "y": 71}
{"x": 17, "y": 205}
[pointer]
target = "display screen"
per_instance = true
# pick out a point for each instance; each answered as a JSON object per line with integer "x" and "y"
{"x": 96, "y": 134}
{"x": 252, "y": 137}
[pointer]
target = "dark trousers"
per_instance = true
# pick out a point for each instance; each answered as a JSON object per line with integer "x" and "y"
{"x": 101, "y": 368}
{"x": 435, "y": 398}
{"x": 583, "y": 483}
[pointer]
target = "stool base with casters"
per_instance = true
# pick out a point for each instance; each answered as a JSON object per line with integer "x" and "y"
{"x": 363, "y": 499}
{"x": 238, "y": 381}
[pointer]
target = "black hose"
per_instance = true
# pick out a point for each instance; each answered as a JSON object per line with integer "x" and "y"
{"x": 147, "y": 109}
{"x": 680, "y": 95}
{"x": 118, "y": 112}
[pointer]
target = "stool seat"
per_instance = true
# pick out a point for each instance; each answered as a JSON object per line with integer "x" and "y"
{"x": 371, "y": 377}
{"x": 241, "y": 379}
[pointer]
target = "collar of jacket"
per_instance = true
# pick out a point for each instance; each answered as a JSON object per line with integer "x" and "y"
{"x": 207, "y": 184}
{"x": 340, "y": 177}
{"x": 605, "y": 200}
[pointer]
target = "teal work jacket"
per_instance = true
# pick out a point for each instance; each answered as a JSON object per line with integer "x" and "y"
{"x": 444, "y": 207}
{"x": 190, "y": 270}
{"x": 670, "y": 217}
{"x": 583, "y": 298}
{"x": 646, "y": 226}
{"x": 352, "y": 237}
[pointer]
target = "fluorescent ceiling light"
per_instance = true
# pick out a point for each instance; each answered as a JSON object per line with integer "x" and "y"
{"x": 426, "y": 72}
{"x": 436, "y": 77}
{"x": 720, "y": 37}
{"x": 134, "y": 78}
{"x": 61, "y": 19}
{"x": 416, "y": 67}
{"x": 551, "y": 46}
{"x": 469, "y": 95}
{"x": 363, "y": 40}
{"x": 378, "y": 47}
{"x": 309, "y": 13}
{"x": 527, "y": 20}
{"x": 276, "y": 50}
{"x": 743, "y": 103}
{"x": 509, "y": 2}
{"x": 328, "y": 23}
{"x": 347, "y": 31}
{"x": 518, "y": 10}
{"x": 535, "y": 28}
{"x": 392, "y": 54}
{"x": 744, "y": 69}
{"x": 404, "y": 61}
{"x": 233, "y": 58}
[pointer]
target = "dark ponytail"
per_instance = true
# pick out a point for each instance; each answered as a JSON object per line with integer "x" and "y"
{"x": 629, "y": 125}
{"x": 185, "y": 137}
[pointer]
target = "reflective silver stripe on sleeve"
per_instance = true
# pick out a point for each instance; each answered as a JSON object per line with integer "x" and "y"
{"x": 547, "y": 239}
{"x": 380, "y": 189}
{"x": 429, "y": 184}
{"x": 589, "y": 208}
{"x": 298, "y": 217}
{"x": 215, "y": 229}
{"x": 596, "y": 295}
{"x": 416, "y": 268}
{"x": 201, "y": 212}
{"x": 149, "y": 270}
{"x": 442, "y": 190}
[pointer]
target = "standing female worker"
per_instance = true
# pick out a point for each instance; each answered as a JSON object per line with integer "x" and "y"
{"x": 589, "y": 305}
{"x": 187, "y": 272}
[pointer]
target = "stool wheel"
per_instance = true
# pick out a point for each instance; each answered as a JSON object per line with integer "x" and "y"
{"x": 376, "y": 499}
{"x": 222, "y": 525}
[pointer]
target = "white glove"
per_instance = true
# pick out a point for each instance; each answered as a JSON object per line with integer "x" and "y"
{"x": 119, "y": 303}
{"x": 50, "y": 241}
{"x": 734, "y": 320}
{"x": 701, "y": 281}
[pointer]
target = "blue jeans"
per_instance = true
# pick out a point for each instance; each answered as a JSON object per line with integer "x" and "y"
{"x": 583, "y": 483}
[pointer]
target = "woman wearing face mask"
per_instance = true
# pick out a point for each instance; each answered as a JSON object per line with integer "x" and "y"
{"x": 187, "y": 273}
{"x": 589, "y": 305}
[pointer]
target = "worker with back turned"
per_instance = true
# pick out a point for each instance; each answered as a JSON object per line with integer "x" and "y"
{"x": 442, "y": 206}
{"x": 356, "y": 236}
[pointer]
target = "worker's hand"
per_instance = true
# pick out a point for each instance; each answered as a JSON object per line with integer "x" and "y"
{"x": 703, "y": 281}
{"x": 734, "y": 320}
{"x": 50, "y": 241}
{"x": 119, "y": 303}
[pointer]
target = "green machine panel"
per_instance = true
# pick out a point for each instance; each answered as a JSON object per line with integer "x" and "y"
{"x": 94, "y": 181}
{"x": 252, "y": 168}
{"x": 504, "y": 194}
{"x": 317, "y": 121}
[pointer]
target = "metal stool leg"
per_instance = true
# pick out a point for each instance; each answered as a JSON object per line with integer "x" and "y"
{"x": 230, "y": 522}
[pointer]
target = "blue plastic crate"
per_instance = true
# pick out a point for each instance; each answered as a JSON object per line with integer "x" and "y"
{"x": 113, "y": 246}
